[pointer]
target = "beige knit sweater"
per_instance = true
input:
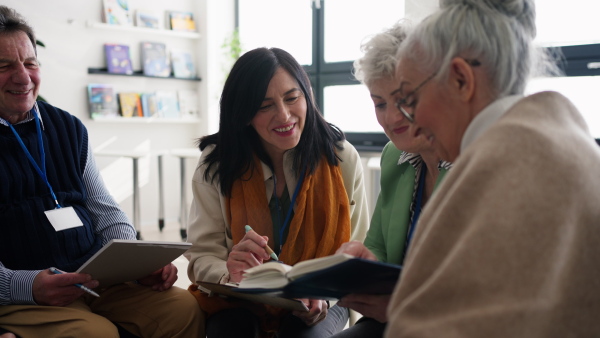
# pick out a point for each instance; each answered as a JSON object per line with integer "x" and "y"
{"x": 509, "y": 245}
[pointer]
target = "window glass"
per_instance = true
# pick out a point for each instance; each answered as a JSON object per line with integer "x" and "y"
{"x": 574, "y": 24}
{"x": 581, "y": 90}
{"x": 285, "y": 24}
{"x": 348, "y": 22}
{"x": 350, "y": 108}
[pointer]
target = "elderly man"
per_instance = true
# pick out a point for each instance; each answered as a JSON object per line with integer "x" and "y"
{"x": 56, "y": 212}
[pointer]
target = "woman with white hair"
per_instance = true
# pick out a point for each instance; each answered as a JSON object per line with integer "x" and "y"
{"x": 410, "y": 170}
{"x": 508, "y": 245}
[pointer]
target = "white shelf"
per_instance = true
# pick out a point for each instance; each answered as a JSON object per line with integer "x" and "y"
{"x": 101, "y": 25}
{"x": 146, "y": 120}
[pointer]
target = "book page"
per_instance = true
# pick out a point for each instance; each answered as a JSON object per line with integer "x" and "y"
{"x": 316, "y": 264}
{"x": 268, "y": 275}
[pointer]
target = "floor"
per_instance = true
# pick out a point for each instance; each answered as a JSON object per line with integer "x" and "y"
{"x": 170, "y": 233}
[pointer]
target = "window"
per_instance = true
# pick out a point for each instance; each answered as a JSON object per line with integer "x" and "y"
{"x": 325, "y": 36}
{"x": 575, "y": 31}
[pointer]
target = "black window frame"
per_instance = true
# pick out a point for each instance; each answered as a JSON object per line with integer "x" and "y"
{"x": 575, "y": 60}
{"x": 323, "y": 74}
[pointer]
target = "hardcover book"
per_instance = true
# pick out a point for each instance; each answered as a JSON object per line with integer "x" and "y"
{"x": 102, "y": 101}
{"x": 167, "y": 103}
{"x": 229, "y": 290}
{"x": 130, "y": 104}
{"x": 188, "y": 103}
{"x": 182, "y": 21}
{"x": 330, "y": 277}
{"x": 116, "y": 12}
{"x": 183, "y": 64}
{"x": 155, "y": 59}
{"x": 149, "y": 18}
{"x": 118, "y": 60}
{"x": 149, "y": 104}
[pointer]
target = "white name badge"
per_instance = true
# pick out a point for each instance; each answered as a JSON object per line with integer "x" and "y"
{"x": 63, "y": 218}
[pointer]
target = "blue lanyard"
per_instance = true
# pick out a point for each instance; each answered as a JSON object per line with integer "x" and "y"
{"x": 418, "y": 207}
{"x": 290, "y": 209}
{"x": 41, "y": 171}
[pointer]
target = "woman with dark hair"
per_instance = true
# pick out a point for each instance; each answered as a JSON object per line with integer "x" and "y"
{"x": 275, "y": 164}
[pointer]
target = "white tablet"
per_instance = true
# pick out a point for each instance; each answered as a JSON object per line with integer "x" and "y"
{"x": 121, "y": 261}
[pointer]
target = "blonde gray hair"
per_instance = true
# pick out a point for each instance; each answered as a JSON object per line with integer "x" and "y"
{"x": 380, "y": 54}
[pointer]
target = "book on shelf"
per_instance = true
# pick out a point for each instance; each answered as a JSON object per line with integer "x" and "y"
{"x": 182, "y": 21}
{"x": 116, "y": 12}
{"x": 130, "y": 104}
{"x": 188, "y": 103}
{"x": 229, "y": 291}
{"x": 330, "y": 277}
{"x": 149, "y": 18}
{"x": 155, "y": 60}
{"x": 182, "y": 63}
{"x": 149, "y": 104}
{"x": 167, "y": 103}
{"x": 102, "y": 100}
{"x": 118, "y": 60}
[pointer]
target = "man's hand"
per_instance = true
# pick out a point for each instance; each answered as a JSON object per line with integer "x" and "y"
{"x": 373, "y": 306}
{"x": 60, "y": 290}
{"x": 317, "y": 311}
{"x": 162, "y": 279}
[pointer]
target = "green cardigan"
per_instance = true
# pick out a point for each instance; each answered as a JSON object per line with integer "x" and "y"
{"x": 389, "y": 224}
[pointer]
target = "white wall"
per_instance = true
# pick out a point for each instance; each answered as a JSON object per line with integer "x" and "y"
{"x": 72, "y": 47}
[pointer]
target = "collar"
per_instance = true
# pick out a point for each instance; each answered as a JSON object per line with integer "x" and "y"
{"x": 415, "y": 160}
{"x": 486, "y": 118}
{"x": 30, "y": 116}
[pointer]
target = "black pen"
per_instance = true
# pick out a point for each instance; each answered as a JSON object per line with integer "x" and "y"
{"x": 84, "y": 288}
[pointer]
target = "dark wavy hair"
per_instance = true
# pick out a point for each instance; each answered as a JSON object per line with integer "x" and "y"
{"x": 11, "y": 22}
{"x": 237, "y": 141}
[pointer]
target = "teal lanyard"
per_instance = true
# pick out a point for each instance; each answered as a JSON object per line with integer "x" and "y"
{"x": 41, "y": 171}
{"x": 290, "y": 209}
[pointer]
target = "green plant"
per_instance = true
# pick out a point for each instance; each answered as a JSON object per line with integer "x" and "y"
{"x": 232, "y": 49}
{"x": 233, "y": 46}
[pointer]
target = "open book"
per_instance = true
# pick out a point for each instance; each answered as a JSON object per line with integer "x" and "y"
{"x": 330, "y": 277}
{"x": 230, "y": 290}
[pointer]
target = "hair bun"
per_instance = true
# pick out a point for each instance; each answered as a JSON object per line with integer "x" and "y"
{"x": 523, "y": 11}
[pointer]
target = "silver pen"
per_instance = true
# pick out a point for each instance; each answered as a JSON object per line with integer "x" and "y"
{"x": 84, "y": 288}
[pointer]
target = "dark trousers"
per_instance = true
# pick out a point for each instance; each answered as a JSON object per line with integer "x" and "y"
{"x": 240, "y": 322}
{"x": 363, "y": 328}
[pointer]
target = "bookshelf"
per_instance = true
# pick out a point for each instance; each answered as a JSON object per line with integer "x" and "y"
{"x": 131, "y": 35}
{"x": 138, "y": 73}
{"x": 136, "y": 29}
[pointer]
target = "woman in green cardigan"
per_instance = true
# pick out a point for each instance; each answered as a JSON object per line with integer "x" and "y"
{"x": 408, "y": 178}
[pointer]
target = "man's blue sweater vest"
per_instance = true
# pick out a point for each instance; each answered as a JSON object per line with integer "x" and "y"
{"x": 27, "y": 239}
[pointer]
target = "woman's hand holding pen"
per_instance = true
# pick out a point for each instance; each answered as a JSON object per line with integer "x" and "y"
{"x": 317, "y": 311}
{"x": 60, "y": 290}
{"x": 249, "y": 252}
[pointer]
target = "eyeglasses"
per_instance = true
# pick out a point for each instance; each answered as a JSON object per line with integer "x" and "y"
{"x": 403, "y": 103}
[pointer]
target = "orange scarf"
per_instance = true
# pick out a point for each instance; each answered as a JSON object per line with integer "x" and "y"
{"x": 320, "y": 225}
